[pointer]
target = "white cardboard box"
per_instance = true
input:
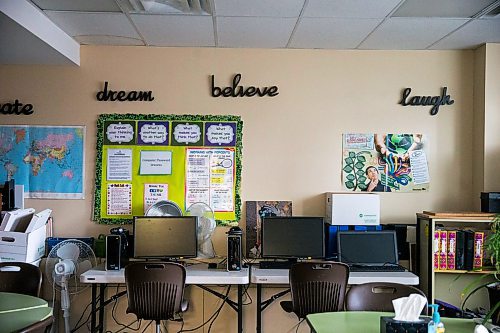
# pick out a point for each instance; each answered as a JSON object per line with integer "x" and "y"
{"x": 352, "y": 208}
{"x": 28, "y": 245}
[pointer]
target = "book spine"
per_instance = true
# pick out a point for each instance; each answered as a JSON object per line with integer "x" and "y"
{"x": 452, "y": 249}
{"x": 460, "y": 250}
{"x": 442, "y": 249}
{"x": 478, "y": 249}
{"x": 435, "y": 249}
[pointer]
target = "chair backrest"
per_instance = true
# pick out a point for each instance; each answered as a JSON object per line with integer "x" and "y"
{"x": 155, "y": 289}
{"x": 378, "y": 296}
{"x": 20, "y": 278}
{"x": 318, "y": 287}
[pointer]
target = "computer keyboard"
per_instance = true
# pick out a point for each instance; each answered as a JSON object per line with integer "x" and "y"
{"x": 388, "y": 268}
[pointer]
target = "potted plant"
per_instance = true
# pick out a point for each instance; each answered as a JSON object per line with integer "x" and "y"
{"x": 484, "y": 281}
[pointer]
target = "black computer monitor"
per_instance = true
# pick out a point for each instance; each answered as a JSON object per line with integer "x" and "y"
{"x": 368, "y": 247}
{"x": 293, "y": 237}
{"x": 165, "y": 237}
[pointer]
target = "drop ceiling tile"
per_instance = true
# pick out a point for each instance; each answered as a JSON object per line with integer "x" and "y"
{"x": 84, "y": 23}
{"x": 349, "y": 8}
{"x": 254, "y": 32}
{"x": 269, "y": 8}
{"x": 441, "y": 8}
{"x": 410, "y": 33}
{"x": 175, "y": 30}
{"x": 78, "y": 5}
{"x": 471, "y": 35}
{"x": 332, "y": 33}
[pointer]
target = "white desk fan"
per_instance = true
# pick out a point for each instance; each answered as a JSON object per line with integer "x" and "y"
{"x": 206, "y": 227}
{"x": 65, "y": 263}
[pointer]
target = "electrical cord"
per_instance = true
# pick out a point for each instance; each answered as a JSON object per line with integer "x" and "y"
{"x": 298, "y": 325}
{"x": 212, "y": 316}
{"x": 81, "y": 317}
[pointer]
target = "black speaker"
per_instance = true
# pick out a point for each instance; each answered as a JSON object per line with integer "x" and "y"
{"x": 234, "y": 237}
{"x": 113, "y": 252}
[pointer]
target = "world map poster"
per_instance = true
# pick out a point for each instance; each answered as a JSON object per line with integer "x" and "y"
{"x": 47, "y": 160}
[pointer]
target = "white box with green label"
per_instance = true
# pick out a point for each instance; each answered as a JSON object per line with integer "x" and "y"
{"x": 352, "y": 208}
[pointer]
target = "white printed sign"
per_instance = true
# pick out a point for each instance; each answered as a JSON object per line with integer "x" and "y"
{"x": 154, "y": 193}
{"x": 120, "y": 133}
{"x": 186, "y": 133}
{"x": 220, "y": 134}
{"x": 119, "y": 165}
{"x": 156, "y": 162}
{"x": 119, "y": 199}
{"x": 153, "y": 133}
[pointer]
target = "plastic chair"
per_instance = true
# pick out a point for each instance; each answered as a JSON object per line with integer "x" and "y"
{"x": 378, "y": 296}
{"x": 317, "y": 287}
{"x": 39, "y": 327}
{"x": 155, "y": 290}
{"x": 20, "y": 278}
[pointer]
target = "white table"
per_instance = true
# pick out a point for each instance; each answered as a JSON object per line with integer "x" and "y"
{"x": 281, "y": 276}
{"x": 198, "y": 274}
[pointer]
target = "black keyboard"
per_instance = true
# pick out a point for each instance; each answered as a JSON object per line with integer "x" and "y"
{"x": 387, "y": 268}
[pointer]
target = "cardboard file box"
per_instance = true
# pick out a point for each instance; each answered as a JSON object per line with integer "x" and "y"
{"x": 26, "y": 245}
{"x": 352, "y": 208}
{"x": 389, "y": 325}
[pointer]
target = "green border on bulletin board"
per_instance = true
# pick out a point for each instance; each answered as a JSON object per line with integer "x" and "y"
{"x": 163, "y": 117}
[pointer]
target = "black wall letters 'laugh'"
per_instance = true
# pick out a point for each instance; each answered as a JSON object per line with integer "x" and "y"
{"x": 435, "y": 101}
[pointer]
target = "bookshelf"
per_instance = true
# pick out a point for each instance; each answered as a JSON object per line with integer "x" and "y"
{"x": 426, "y": 226}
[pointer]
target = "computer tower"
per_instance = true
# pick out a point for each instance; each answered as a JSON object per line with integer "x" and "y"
{"x": 234, "y": 259}
{"x": 113, "y": 252}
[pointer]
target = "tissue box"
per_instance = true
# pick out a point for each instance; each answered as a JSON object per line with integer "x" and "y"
{"x": 389, "y": 325}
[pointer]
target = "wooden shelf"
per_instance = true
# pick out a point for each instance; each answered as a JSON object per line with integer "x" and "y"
{"x": 449, "y": 271}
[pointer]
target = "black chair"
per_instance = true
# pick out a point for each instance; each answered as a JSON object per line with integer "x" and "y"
{"x": 378, "y": 296}
{"x": 39, "y": 327}
{"x": 20, "y": 278}
{"x": 155, "y": 290}
{"x": 317, "y": 287}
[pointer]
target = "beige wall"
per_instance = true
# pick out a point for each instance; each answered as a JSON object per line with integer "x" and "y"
{"x": 492, "y": 118}
{"x": 291, "y": 143}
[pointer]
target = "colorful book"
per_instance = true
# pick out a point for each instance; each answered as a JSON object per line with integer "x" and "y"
{"x": 442, "y": 248}
{"x": 478, "y": 249}
{"x": 435, "y": 249}
{"x": 452, "y": 250}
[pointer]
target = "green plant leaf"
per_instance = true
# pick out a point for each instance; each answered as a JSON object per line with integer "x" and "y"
{"x": 352, "y": 154}
{"x": 348, "y": 168}
{"x": 350, "y": 177}
{"x": 349, "y": 185}
{"x": 360, "y": 172}
{"x": 359, "y": 165}
{"x": 349, "y": 160}
{"x": 362, "y": 186}
{"x": 490, "y": 313}
{"x": 362, "y": 179}
{"x": 361, "y": 158}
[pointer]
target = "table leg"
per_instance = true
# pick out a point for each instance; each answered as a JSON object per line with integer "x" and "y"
{"x": 259, "y": 308}
{"x": 102, "y": 289}
{"x": 240, "y": 308}
{"x": 93, "y": 308}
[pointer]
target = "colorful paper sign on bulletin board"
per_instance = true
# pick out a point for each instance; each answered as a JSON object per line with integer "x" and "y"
{"x": 385, "y": 162}
{"x": 142, "y": 159}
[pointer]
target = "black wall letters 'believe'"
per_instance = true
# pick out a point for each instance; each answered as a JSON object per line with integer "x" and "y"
{"x": 122, "y": 96}
{"x": 240, "y": 91}
{"x": 435, "y": 101}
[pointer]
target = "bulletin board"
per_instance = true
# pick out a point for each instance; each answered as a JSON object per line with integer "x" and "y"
{"x": 142, "y": 159}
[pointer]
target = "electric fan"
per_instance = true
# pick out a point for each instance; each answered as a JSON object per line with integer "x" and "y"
{"x": 65, "y": 263}
{"x": 206, "y": 227}
{"x": 164, "y": 208}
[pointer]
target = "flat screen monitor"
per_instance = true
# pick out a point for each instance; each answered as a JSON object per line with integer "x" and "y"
{"x": 293, "y": 237}
{"x": 368, "y": 247}
{"x": 165, "y": 237}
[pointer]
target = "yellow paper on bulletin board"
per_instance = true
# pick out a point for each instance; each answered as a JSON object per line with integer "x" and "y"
{"x": 142, "y": 159}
